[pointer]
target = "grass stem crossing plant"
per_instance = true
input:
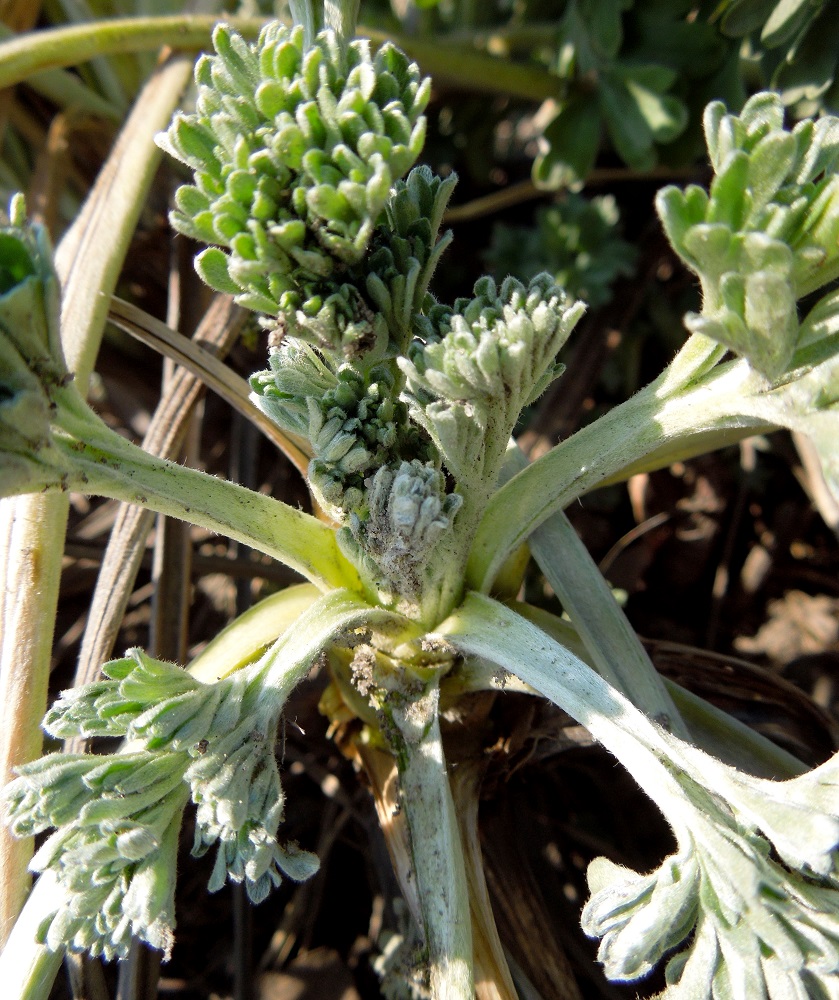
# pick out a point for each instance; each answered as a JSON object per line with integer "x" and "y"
{"x": 302, "y": 147}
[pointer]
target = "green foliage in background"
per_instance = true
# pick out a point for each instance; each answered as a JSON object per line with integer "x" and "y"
{"x": 794, "y": 44}
{"x": 576, "y": 239}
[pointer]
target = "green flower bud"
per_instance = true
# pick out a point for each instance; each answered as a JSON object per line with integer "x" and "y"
{"x": 766, "y": 234}
{"x": 472, "y": 369}
{"x": 406, "y": 251}
{"x": 757, "y": 314}
{"x": 665, "y": 902}
{"x": 407, "y": 511}
{"x": 29, "y": 810}
{"x": 294, "y": 150}
{"x": 337, "y": 320}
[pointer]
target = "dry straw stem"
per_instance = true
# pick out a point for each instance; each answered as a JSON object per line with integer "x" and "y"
{"x": 213, "y": 373}
{"x": 88, "y": 263}
{"x": 218, "y": 329}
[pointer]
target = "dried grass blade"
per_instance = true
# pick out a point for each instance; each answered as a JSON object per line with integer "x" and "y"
{"x": 217, "y": 376}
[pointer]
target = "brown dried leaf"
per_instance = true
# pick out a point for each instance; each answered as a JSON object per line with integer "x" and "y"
{"x": 799, "y": 624}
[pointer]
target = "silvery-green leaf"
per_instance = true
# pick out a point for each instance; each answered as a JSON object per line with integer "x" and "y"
{"x": 298, "y": 864}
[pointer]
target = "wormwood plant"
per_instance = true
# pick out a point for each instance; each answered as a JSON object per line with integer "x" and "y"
{"x": 302, "y": 149}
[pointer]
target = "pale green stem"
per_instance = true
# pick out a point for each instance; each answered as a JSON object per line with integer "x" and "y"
{"x": 66, "y": 89}
{"x": 28, "y": 969}
{"x": 698, "y": 355}
{"x": 88, "y": 262}
{"x": 483, "y": 627}
{"x": 68, "y": 46}
{"x": 103, "y": 72}
{"x": 73, "y": 44}
{"x": 448, "y": 560}
{"x": 704, "y": 800}
{"x": 341, "y": 17}
{"x": 97, "y": 460}
{"x": 436, "y": 847}
{"x": 239, "y": 643}
{"x": 304, "y": 14}
{"x": 717, "y": 732}
{"x": 322, "y": 623}
{"x": 612, "y": 643}
{"x": 654, "y": 420}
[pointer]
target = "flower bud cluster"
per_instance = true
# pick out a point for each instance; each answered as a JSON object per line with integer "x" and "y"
{"x": 355, "y": 428}
{"x": 335, "y": 319}
{"x": 474, "y": 367}
{"x": 114, "y": 850}
{"x": 407, "y": 250}
{"x": 117, "y": 817}
{"x": 766, "y": 234}
{"x": 294, "y": 151}
{"x": 407, "y": 511}
{"x": 236, "y": 785}
{"x": 296, "y": 372}
{"x": 353, "y": 420}
{"x": 500, "y": 344}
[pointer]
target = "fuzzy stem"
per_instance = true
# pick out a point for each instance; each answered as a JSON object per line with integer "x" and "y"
{"x": 28, "y": 969}
{"x": 698, "y": 355}
{"x": 72, "y": 44}
{"x": 612, "y": 645}
{"x": 732, "y": 741}
{"x": 712, "y": 729}
{"x": 612, "y": 642}
{"x": 99, "y": 461}
{"x": 341, "y": 17}
{"x": 436, "y": 847}
{"x": 484, "y": 627}
{"x": 659, "y": 418}
{"x": 240, "y": 642}
{"x": 66, "y": 90}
